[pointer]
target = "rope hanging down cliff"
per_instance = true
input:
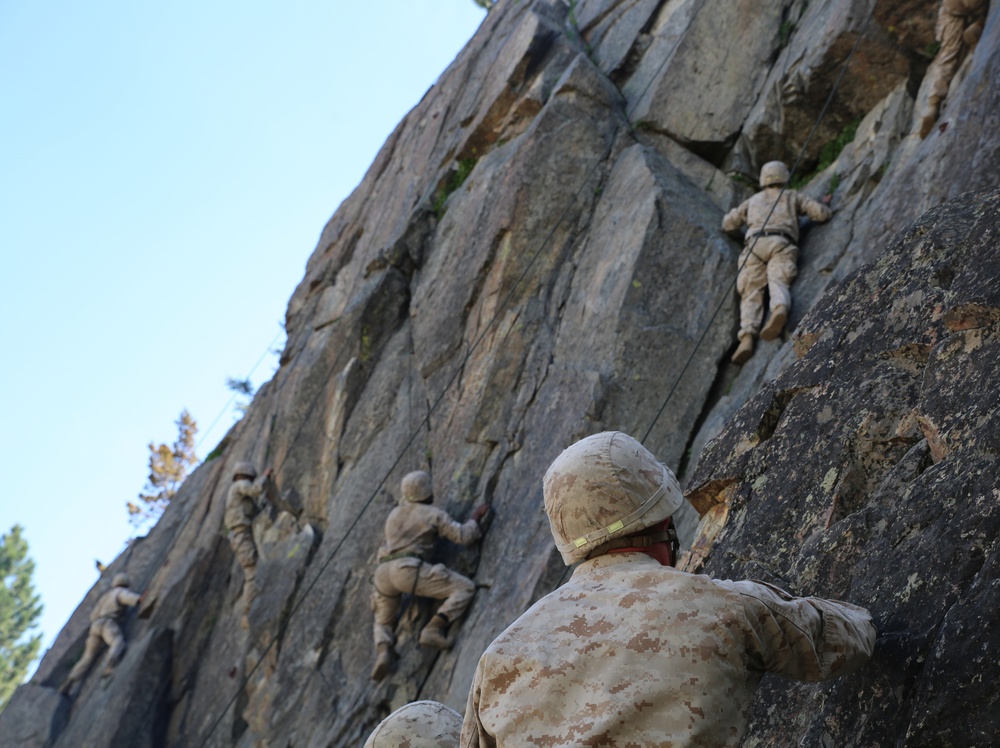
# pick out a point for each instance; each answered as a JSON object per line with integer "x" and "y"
{"x": 425, "y": 420}
{"x": 795, "y": 166}
{"x": 162, "y": 558}
{"x": 729, "y": 289}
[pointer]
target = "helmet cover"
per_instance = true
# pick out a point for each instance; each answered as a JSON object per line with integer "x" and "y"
{"x": 416, "y": 487}
{"x": 773, "y": 173}
{"x": 421, "y": 724}
{"x": 605, "y": 486}
{"x": 245, "y": 468}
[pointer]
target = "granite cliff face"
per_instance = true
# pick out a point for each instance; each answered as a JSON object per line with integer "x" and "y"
{"x": 534, "y": 256}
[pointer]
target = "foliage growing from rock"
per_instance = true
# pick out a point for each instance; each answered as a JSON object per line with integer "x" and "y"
{"x": 456, "y": 178}
{"x": 828, "y": 154}
{"x": 168, "y": 467}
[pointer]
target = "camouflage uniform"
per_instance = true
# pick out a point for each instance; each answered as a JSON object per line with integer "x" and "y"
{"x": 959, "y": 24}
{"x": 105, "y": 628}
{"x": 421, "y": 724}
{"x": 633, "y": 653}
{"x": 241, "y": 508}
{"x": 773, "y": 263}
{"x": 410, "y": 532}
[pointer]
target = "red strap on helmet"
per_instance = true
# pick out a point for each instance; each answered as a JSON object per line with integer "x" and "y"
{"x": 663, "y": 552}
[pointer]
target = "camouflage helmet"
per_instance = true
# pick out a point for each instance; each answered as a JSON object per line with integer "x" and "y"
{"x": 244, "y": 468}
{"x": 416, "y": 487}
{"x": 422, "y": 724}
{"x": 603, "y": 487}
{"x": 121, "y": 580}
{"x": 773, "y": 173}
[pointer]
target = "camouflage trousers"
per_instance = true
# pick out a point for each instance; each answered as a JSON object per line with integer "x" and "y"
{"x": 241, "y": 541}
{"x": 773, "y": 265}
{"x": 102, "y": 631}
{"x": 393, "y": 579}
{"x": 955, "y": 33}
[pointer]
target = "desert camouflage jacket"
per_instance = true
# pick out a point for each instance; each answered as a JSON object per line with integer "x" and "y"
{"x": 631, "y": 653}
{"x": 113, "y": 603}
{"x": 413, "y": 528}
{"x": 785, "y": 216}
{"x": 241, "y": 503}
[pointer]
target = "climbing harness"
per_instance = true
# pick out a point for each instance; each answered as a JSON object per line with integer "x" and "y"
{"x": 772, "y": 232}
{"x": 795, "y": 166}
{"x": 394, "y": 556}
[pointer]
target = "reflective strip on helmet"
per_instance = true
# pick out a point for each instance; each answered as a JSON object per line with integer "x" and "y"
{"x": 620, "y": 524}
{"x": 610, "y": 529}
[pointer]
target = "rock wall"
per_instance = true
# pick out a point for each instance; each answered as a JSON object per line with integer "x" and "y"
{"x": 867, "y": 471}
{"x": 535, "y": 255}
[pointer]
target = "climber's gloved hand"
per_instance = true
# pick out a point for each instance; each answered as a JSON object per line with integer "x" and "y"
{"x": 482, "y": 514}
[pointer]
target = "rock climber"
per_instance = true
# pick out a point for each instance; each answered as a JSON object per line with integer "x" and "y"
{"x": 242, "y": 505}
{"x": 420, "y": 724}
{"x": 959, "y": 26}
{"x": 632, "y": 651}
{"x": 411, "y": 530}
{"x": 770, "y": 255}
{"x": 105, "y": 628}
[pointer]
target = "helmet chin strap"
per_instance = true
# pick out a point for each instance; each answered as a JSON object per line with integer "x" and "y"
{"x": 658, "y": 542}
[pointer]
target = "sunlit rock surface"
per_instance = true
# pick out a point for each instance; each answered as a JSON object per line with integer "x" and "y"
{"x": 534, "y": 256}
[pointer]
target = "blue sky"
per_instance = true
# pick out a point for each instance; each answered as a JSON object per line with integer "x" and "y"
{"x": 165, "y": 172}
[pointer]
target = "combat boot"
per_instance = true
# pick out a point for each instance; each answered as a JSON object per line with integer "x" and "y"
{"x": 435, "y": 633}
{"x": 972, "y": 35}
{"x": 382, "y": 662}
{"x": 775, "y": 323}
{"x": 930, "y": 115}
{"x": 745, "y": 351}
{"x": 926, "y": 125}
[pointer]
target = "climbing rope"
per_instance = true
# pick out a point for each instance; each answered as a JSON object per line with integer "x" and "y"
{"x": 409, "y": 395}
{"x": 473, "y": 346}
{"x": 128, "y": 545}
{"x": 227, "y": 406}
{"x": 425, "y": 421}
{"x": 791, "y": 174}
{"x": 732, "y": 284}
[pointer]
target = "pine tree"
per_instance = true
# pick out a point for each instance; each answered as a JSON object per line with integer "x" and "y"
{"x": 19, "y": 612}
{"x": 168, "y": 467}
